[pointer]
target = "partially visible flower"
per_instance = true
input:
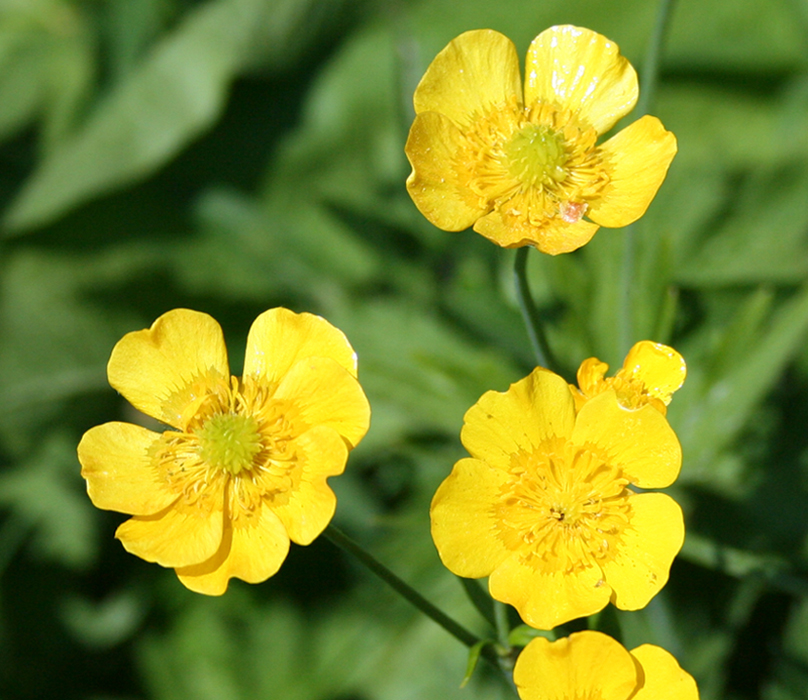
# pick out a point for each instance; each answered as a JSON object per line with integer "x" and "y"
{"x": 592, "y": 665}
{"x": 651, "y": 373}
{"x": 545, "y": 506}
{"x": 243, "y": 468}
{"x": 524, "y": 167}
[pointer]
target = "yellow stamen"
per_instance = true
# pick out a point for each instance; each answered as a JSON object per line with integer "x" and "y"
{"x": 564, "y": 508}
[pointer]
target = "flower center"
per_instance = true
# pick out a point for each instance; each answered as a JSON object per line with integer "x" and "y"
{"x": 532, "y": 164}
{"x": 564, "y": 508}
{"x": 536, "y": 155}
{"x": 229, "y": 441}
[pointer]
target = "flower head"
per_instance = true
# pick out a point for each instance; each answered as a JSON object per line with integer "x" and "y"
{"x": 524, "y": 166}
{"x": 651, "y": 373}
{"x": 593, "y": 665}
{"x": 545, "y": 506}
{"x": 243, "y": 468}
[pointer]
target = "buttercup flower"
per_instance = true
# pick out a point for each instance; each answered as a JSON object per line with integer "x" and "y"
{"x": 593, "y": 665}
{"x": 243, "y": 469}
{"x": 545, "y": 507}
{"x": 651, "y": 373}
{"x": 523, "y": 166}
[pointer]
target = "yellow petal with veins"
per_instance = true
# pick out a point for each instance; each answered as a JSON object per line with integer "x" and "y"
{"x": 583, "y": 71}
{"x": 642, "y": 563}
{"x": 181, "y": 535}
{"x": 637, "y": 160}
{"x": 661, "y": 676}
{"x": 432, "y": 149}
{"x": 638, "y": 441}
{"x": 660, "y": 368}
{"x": 464, "y": 524}
{"x": 474, "y": 72}
{"x": 279, "y": 338}
{"x": 586, "y": 664}
{"x": 252, "y": 549}
{"x": 502, "y": 424}
{"x": 552, "y": 237}
{"x": 156, "y": 369}
{"x": 545, "y": 600}
{"x": 117, "y": 463}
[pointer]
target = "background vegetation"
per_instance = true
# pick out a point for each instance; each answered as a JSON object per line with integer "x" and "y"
{"x": 235, "y": 155}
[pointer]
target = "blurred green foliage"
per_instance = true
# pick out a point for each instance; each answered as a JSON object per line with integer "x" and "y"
{"x": 235, "y": 155}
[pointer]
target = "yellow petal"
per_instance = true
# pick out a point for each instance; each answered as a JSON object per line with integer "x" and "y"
{"x": 477, "y": 70}
{"x": 639, "y": 441}
{"x": 154, "y": 368}
{"x": 321, "y": 452}
{"x": 518, "y": 420}
{"x": 464, "y": 526}
{"x": 583, "y": 71}
{"x": 590, "y": 375}
{"x": 324, "y": 393}
{"x": 181, "y": 535}
{"x": 115, "y": 461}
{"x": 252, "y": 549}
{"x": 660, "y": 368}
{"x": 279, "y": 338}
{"x": 637, "y": 161}
{"x": 584, "y": 665}
{"x": 661, "y": 676}
{"x": 553, "y": 237}
{"x": 432, "y": 149}
{"x": 647, "y": 548}
{"x": 545, "y": 600}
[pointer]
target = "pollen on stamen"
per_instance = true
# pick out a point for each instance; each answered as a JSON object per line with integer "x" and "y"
{"x": 572, "y": 212}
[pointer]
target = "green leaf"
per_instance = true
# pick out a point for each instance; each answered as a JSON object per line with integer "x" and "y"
{"x": 175, "y": 95}
{"x": 474, "y": 657}
{"x": 43, "y": 493}
{"x": 709, "y": 412}
{"x": 46, "y": 67}
{"x": 764, "y": 238}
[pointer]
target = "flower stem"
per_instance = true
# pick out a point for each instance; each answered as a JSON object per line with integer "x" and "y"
{"x": 650, "y": 79}
{"x": 341, "y": 540}
{"x": 650, "y": 67}
{"x": 530, "y": 313}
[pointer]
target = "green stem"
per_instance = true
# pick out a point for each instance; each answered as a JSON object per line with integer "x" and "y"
{"x": 650, "y": 67}
{"x": 650, "y": 80}
{"x": 530, "y": 313}
{"x": 502, "y": 624}
{"x": 341, "y": 540}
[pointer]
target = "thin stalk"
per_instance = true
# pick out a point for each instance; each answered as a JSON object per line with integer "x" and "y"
{"x": 530, "y": 314}
{"x": 341, "y": 540}
{"x": 480, "y": 599}
{"x": 650, "y": 67}
{"x": 650, "y": 80}
{"x": 502, "y": 624}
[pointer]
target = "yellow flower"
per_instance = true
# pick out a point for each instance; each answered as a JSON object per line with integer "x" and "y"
{"x": 243, "y": 468}
{"x": 545, "y": 507}
{"x": 593, "y": 665}
{"x": 651, "y": 373}
{"x": 524, "y": 168}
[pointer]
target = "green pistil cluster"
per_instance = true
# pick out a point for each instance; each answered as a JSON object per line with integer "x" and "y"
{"x": 536, "y": 155}
{"x": 230, "y": 441}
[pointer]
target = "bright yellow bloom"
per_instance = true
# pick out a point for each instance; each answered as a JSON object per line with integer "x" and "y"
{"x": 524, "y": 167}
{"x": 589, "y": 665}
{"x": 651, "y": 373}
{"x": 545, "y": 507}
{"x": 243, "y": 468}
